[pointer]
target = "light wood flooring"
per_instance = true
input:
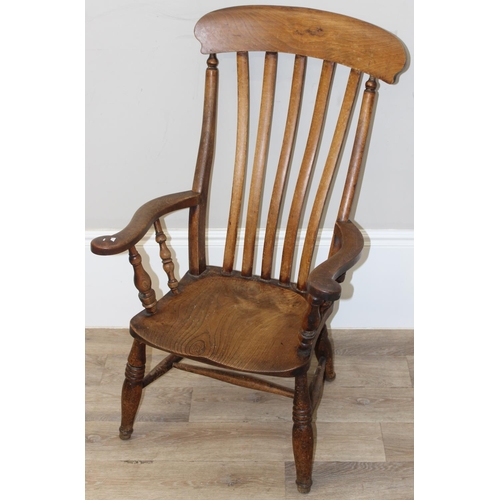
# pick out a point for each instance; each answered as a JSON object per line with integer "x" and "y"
{"x": 198, "y": 438}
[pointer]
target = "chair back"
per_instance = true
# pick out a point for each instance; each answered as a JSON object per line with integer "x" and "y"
{"x": 307, "y": 33}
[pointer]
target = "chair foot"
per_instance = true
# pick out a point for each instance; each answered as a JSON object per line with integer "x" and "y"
{"x": 304, "y": 488}
{"x": 132, "y": 388}
{"x": 124, "y": 435}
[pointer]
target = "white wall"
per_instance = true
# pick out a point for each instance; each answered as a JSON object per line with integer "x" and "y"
{"x": 144, "y": 91}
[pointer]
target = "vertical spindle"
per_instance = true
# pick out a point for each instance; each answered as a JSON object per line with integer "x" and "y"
{"x": 358, "y": 149}
{"x": 166, "y": 258}
{"x": 142, "y": 281}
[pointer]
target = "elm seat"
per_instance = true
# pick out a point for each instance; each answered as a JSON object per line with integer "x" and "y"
{"x": 259, "y": 321}
{"x": 233, "y": 322}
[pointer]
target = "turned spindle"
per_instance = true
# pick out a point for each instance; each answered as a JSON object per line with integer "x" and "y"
{"x": 166, "y": 258}
{"x": 132, "y": 388}
{"x": 142, "y": 281}
{"x": 358, "y": 149}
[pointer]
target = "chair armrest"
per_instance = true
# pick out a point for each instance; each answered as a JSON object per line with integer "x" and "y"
{"x": 322, "y": 282}
{"x": 141, "y": 222}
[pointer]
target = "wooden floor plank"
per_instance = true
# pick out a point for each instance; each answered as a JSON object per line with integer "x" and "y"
{"x": 372, "y": 371}
{"x": 155, "y": 480}
{"x": 369, "y": 342}
{"x": 159, "y": 405}
{"x": 410, "y": 360}
{"x": 345, "y": 441}
{"x": 107, "y": 340}
{"x": 338, "y": 404}
{"x": 398, "y": 441}
{"x": 228, "y": 441}
{"x": 94, "y": 368}
{"x": 366, "y": 404}
{"x": 355, "y": 481}
{"x": 188, "y": 442}
{"x": 238, "y": 404}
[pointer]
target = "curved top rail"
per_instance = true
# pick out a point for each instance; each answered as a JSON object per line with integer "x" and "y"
{"x": 309, "y": 32}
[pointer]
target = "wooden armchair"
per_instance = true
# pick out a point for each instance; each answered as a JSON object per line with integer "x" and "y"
{"x": 241, "y": 322}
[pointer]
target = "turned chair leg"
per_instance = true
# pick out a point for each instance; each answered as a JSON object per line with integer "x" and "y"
{"x": 303, "y": 440}
{"x": 324, "y": 349}
{"x": 132, "y": 387}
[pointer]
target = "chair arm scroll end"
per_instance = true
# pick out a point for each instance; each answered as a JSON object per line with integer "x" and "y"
{"x": 142, "y": 221}
{"x": 323, "y": 282}
{"x": 105, "y": 245}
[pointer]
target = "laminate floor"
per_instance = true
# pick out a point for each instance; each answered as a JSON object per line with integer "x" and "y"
{"x": 198, "y": 438}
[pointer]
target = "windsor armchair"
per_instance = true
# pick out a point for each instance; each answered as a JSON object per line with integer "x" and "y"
{"x": 241, "y": 322}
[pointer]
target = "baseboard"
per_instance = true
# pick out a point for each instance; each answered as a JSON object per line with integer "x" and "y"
{"x": 377, "y": 292}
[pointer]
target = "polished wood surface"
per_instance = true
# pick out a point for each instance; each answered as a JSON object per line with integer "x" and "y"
{"x": 240, "y": 164}
{"x": 308, "y": 163}
{"x": 244, "y": 323}
{"x": 142, "y": 221}
{"x": 204, "y": 164}
{"x": 309, "y": 32}
{"x": 284, "y": 163}
{"x": 331, "y": 165}
{"x": 260, "y": 160}
{"x": 238, "y": 379}
{"x": 166, "y": 257}
{"x": 209, "y": 320}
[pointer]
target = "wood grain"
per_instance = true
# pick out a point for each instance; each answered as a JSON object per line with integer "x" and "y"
{"x": 348, "y": 342}
{"x": 158, "y": 404}
{"x": 284, "y": 163}
{"x": 346, "y": 442}
{"x": 306, "y": 168}
{"x": 398, "y": 441}
{"x": 231, "y": 441}
{"x": 107, "y": 340}
{"x": 358, "y": 149}
{"x": 370, "y": 342}
{"x": 113, "y": 374}
{"x": 241, "y": 160}
{"x": 155, "y": 480}
{"x": 356, "y": 481}
{"x": 237, "y": 323}
{"x": 260, "y": 161}
{"x": 366, "y": 404}
{"x": 238, "y": 404}
{"x": 203, "y": 170}
{"x": 325, "y": 183}
{"x": 94, "y": 368}
{"x": 195, "y": 441}
{"x": 239, "y": 379}
{"x": 309, "y": 32}
{"x": 410, "y": 360}
{"x": 372, "y": 371}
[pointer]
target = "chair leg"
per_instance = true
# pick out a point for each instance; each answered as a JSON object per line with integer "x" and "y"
{"x": 132, "y": 387}
{"x": 303, "y": 440}
{"x": 324, "y": 349}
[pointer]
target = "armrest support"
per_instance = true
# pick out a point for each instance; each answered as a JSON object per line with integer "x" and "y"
{"x": 142, "y": 221}
{"x": 322, "y": 282}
